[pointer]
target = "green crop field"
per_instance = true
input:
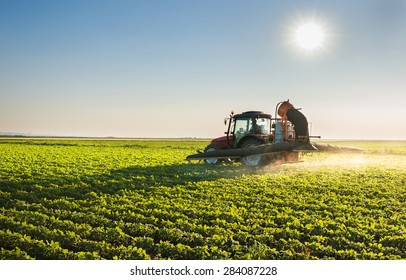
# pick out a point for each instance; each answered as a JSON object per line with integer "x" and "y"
{"x": 140, "y": 199}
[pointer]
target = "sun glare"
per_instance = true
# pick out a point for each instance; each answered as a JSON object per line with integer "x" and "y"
{"x": 309, "y": 36}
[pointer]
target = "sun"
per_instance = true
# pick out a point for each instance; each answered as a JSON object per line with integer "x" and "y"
{"x": 310, "y": 36}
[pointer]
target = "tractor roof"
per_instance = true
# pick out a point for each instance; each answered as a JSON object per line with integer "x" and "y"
{"x": 252, "y": 114}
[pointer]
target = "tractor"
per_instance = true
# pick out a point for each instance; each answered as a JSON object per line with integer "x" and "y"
{"x": 247, "y": 129}
{"x": 257, "y": 139}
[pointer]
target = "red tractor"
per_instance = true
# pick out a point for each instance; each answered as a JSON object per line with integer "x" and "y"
{"x": 256, "y": 138}
{"x": 248, "y": 129}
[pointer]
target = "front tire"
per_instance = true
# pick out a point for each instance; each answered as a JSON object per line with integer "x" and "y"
{"x": 211, "y": 148}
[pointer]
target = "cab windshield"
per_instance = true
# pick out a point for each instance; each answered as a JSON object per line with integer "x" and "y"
{"x": 252, "y": 126}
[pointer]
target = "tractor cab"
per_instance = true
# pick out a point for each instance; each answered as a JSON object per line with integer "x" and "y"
{"x": 252, "y": 124}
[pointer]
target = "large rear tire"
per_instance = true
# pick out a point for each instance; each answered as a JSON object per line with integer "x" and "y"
{"x": 254, "y": 160}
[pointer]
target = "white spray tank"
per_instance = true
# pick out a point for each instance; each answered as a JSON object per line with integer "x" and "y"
{"x": 278, "y": 132}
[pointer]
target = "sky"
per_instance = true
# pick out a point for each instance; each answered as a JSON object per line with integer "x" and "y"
{"x": 160, "y": 68}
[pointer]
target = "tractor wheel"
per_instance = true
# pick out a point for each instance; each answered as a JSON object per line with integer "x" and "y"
{"x": 210, "y": 148}
{"x": 254, "y": 160}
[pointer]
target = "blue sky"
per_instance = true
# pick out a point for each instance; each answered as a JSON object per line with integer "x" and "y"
{"x": 176, "y": 68}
